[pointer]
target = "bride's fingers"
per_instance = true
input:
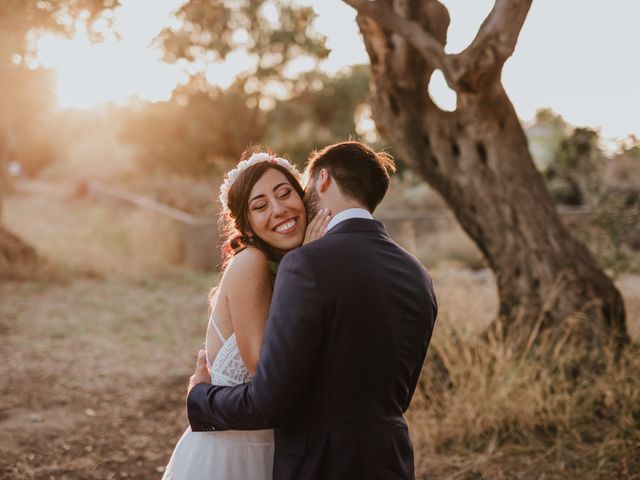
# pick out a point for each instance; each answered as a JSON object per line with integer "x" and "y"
{"x": 325, "y": 224}
{"x": 312, "y": 229}
{"x": 309, "y": 233}
{"x": 317, "y": 226}
{"x": 321, "y": 226}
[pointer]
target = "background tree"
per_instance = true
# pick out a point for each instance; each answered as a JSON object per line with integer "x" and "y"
{"x": 202, "y": 128}
{"x": 477, "y": 158}
{"x": 273, "y": 33}
{"x": 324, "y": 113}
{"x": 218, "y": 124}
{"x": 199, "y": 131}
{"x": 573, "y": 176}
{"x": 18, "y": 20}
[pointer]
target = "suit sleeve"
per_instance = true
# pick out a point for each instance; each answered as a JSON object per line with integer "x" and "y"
{"x": 431, "y": 312}
{"x": 292, "y": 340}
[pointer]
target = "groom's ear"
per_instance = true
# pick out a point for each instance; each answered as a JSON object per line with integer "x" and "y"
{"x": 324, "y": 180}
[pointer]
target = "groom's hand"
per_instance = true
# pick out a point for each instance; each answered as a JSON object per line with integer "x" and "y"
{"x": 201, "y": 374}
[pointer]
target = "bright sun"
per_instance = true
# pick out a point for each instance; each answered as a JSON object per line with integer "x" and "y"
{"x": 89, "y": 74}
{"x": 119, "y": 68}
{"x": 125, "y": 66}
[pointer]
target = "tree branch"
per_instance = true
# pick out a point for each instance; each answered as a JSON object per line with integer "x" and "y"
{"x": 481, "y": 62}
{"x": 504, "y": 24}
{"x": 426, "y": 44}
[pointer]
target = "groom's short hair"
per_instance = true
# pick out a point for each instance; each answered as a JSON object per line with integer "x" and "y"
{"x": 361, "y": 173}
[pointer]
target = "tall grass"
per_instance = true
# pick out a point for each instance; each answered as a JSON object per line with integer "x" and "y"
{"x": 556, "y": 412}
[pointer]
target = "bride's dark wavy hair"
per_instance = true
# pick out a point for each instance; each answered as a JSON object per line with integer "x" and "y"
{"x": 234, "y": 220}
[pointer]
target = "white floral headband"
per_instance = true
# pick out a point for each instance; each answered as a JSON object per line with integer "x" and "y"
{"x": 259, "y": 157}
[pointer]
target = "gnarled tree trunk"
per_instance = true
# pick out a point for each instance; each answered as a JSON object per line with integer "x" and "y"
{"x": 477, "y": 158}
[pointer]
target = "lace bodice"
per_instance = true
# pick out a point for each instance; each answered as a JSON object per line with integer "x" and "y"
{"x": 227, "y": 367}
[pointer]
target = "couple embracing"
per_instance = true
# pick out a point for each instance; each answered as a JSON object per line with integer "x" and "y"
{"x": 317, "y": 333}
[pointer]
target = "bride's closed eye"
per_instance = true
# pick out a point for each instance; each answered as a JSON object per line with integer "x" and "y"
{"x": 284, "y": 193}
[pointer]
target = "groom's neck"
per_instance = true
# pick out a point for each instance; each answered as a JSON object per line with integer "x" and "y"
{"x": 339, "y": 205}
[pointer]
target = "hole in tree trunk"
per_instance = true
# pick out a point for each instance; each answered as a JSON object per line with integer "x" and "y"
{"x": 440, "y": 93}
{"x": 394, "y": 105}
{"x": 389, "y": 43}
{"x": 482, "y": 152}
{"x": 455, "y": 149}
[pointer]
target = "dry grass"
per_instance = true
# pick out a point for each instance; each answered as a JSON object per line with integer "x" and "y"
{"x": 408, "y": 192}
{"x": 195, "y": 196}
{"x": 91, "y": 238}
{"x": 450, "y": 247}
{"x": 558, "y": 412}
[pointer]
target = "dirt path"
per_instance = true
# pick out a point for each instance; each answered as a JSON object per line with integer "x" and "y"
{"x": 93, "y": 375}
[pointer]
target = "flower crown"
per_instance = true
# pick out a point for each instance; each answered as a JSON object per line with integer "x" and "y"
{"x": 259, "y": 157}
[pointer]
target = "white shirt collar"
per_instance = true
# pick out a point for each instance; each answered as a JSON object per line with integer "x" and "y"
{"x": 347, "y": 214}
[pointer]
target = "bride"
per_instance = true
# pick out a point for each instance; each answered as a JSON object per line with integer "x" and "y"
{"x": 264, "y": 217}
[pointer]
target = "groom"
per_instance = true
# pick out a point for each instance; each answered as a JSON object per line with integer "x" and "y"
{"x": 348, "y": 330}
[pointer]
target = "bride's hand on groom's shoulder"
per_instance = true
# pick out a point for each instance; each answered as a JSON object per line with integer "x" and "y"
{"x": 317, "y": 226}
{"x": 201, "y": 375}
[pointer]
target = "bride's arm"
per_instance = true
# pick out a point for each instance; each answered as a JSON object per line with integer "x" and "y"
{"x": 292, "y": 343}
{"x": 248, "y": 291}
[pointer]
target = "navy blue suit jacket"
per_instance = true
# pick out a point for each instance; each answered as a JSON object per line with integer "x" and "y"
{"x": 349, "y": 325}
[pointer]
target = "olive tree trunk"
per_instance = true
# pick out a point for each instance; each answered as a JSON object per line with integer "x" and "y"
{"x": 478, "y": 159}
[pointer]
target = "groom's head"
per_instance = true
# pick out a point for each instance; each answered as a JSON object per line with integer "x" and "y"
{"x": 347, "y": 174}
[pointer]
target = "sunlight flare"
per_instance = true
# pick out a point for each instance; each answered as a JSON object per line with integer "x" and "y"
{"x": 89, "y": 74}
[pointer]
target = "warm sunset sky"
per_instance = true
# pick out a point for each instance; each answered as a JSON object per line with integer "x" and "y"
{"x": 578, "y": 57}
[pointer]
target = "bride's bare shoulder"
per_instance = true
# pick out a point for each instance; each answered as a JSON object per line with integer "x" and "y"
{"x": 249, "y": 263}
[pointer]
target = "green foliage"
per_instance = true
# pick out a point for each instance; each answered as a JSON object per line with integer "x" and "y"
{"x": 196, "y": 132}
{"x": 617, "y": 209}
{"x": 572, "y": 176}
{"x": 578, "y": 173}
{"x": 203, "y": 130}
{"x": 618, "y": 213}
{"x": 20, "y": 17}
{"x": 274, "y": 32}
{"x": 319, "y": 116}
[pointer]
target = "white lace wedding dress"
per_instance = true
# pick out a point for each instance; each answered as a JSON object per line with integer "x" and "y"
{"x": 225, "y": 455}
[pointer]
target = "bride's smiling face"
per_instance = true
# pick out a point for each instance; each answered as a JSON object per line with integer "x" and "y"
{"x": 276, "y": 212}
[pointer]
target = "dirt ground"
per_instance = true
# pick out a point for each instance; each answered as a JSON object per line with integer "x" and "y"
{"x": 94, "y": 363}
{"x": 94, "y": 374}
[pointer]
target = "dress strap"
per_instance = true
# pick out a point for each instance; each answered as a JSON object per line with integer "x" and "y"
{"x": 212, "y": 320}
{"x": 215, "y": 327}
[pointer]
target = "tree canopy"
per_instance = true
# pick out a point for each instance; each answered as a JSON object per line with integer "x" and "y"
{"x": 274, "y": 33}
